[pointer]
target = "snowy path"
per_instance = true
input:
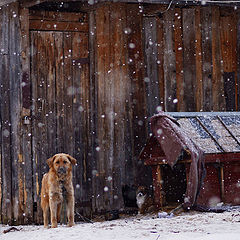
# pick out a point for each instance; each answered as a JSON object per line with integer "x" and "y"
{"x": 187, "y": 226}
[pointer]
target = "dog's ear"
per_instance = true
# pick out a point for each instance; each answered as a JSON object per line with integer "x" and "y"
{"x": 72, "y": 159}
{"x": 50, "y": 161}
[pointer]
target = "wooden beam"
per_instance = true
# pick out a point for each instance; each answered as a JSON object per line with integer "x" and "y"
{"x": 31, "y": 3}
{"x": 4, "y": 2}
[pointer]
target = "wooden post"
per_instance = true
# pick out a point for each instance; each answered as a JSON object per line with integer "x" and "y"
{"x": 222, "y": 190}
{"x": 159, "y": 196}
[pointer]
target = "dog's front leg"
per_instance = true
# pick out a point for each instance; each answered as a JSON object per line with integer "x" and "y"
{"x": 70, "y": 210}
{"x": 45, "y": 215}
{"x": 53, "y": 211}
{"x": 59, "y": 209}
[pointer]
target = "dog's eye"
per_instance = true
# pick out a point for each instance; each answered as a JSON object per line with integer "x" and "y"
{"x": 64, "y": 161}
{"x": 140, "y": 194}
{"x": 57, "y": 162}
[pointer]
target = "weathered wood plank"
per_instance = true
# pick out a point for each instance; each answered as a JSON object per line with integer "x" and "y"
{"x": 25, "y": 157}
{"x": 228, "y": 33}
{"x": 50, "y": 106}
{"x": 238, "y": 61}
{"x": 120, "y": 81}
{"x": 58, "y": 16}
{"x": 39, "y": 94}
{"x": 160, "y": 62}
{"x": 136, "y": 104}
{"x": 169, "y": 61}
{"x": 78, "y": 147}
{"x": 228, "y": 42}
{"x": 60, "y": 91}
{"x": 57, "y": 26}
{"x": 217, "y": 79}
{"x": 93, "y": 103}
{"x": 1, "y": 100}
{"x": 35, "y": 114}
{"x": 81, "y": 121}
{"x": 198, "y": 60}
{"x": 14, "y": 94}
{"x": 229, "y": 90}
{"x": 151, "y": 58}
{"x": 107, "y": 141}
{"x": 68, "y": 92}
{"x": 7, "y": 209}
{"x": 206, "y": 19}
{"x": 5, "y": 2}
{"x": 105, "y": 112}
{"x": 189, "y": 58}
{"x": 178, "y": 37}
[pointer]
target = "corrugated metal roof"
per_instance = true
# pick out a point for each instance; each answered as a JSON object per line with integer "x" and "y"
{"x": 214, "y": 132}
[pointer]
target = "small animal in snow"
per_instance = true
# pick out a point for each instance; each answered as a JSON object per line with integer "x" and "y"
{"x": 144, "y": 200}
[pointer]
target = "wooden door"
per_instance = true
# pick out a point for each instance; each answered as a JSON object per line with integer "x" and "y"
{"x": 60, "y": 97}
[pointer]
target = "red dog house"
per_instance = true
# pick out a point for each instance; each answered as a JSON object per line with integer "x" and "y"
{"x": 180, "y": 143}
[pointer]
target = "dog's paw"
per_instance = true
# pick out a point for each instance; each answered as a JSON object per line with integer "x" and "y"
{"x": 54, "y": 225}
{"x": 70, "y": 224}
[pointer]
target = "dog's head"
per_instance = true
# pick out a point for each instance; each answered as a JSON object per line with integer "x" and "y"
{"x": 141, "y": 191}
{"x": 61, "y": 163}
{"x": 141, "y": 195}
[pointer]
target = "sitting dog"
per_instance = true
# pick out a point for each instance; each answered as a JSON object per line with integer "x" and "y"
{"x": 144, "y": 200}
{"x": 56, "y": 186}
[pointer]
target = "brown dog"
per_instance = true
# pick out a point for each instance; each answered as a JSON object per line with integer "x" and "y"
{"x": 57, "y": 185}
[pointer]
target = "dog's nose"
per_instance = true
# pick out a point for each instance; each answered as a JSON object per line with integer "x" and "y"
{"x": 62, "y": 170}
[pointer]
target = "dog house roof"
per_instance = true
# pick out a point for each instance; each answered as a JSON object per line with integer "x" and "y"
{"x": 196, "y": 136}
{"x": 213, "y": 132}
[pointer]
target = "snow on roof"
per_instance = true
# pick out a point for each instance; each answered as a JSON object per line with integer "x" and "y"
{"x": 213, "y": 132}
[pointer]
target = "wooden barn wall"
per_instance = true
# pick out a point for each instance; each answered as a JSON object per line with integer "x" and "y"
{"x": 121, "y": 107}
{"x": 185, "y": 60}
{"x": 193, "y": 54}
{"x": 116, "y": 130}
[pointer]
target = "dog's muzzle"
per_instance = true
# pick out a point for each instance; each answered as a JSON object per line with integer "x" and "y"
{"x": 62, "y": 170}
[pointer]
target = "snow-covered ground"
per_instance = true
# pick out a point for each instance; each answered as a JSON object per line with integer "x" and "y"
{"x": 186, "y": 226}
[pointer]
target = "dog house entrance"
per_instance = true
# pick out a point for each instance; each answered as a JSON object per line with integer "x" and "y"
{"x": 174, "y": 184}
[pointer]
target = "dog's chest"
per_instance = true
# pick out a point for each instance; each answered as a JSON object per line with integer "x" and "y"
{"x": 63, "y": 189}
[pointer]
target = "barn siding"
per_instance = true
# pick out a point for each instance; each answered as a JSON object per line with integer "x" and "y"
{"x": 10, "y": 69}
{"x": 178, "y": 61}
{"x": 200, "y": 58}
{"x": 119, "y": 65}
